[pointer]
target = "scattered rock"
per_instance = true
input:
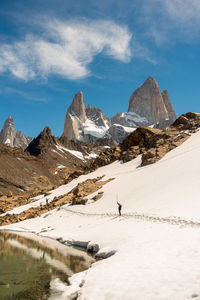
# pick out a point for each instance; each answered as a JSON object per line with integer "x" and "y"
{"x": 75, "y": 196}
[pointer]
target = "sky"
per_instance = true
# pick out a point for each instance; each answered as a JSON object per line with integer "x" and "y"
{"x": 50, "y": 50}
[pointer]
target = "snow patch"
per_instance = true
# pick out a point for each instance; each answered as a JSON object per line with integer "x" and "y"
{"x": 8, "y": 141}
{"x": 91, "y": 155}
{"x": 127, "y": 129}
{"x": 91, "y": 128}
{"x": 78, "y": 154}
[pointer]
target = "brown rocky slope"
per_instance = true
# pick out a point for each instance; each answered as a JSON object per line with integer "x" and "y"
{"x": 44, "y": 165}
{"x": 151, "y": 143}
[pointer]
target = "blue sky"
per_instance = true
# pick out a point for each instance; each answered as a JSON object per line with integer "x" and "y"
{"x": 49, "y": 50}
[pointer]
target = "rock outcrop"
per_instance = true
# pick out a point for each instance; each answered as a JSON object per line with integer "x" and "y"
{"x": 147, "y": 101}
{"x": 10, "y": 137}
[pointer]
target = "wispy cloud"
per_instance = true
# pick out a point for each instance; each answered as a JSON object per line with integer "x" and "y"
{"x": 65, "y": 48}
{"x": 25, "y": 95}
{"x": 172, "y": 20}
{"x": 139, "y": 51}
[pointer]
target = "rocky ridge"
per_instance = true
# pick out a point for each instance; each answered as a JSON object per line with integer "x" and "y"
{"x": 10, "y": 137}
{"x": 151, "y": 143}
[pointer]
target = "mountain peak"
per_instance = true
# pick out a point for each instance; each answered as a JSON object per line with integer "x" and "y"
{"x": 42, "y": 141}
{"x": 9, "y": 121}
{"x": 46, "y": 131}
{"x": 150, "y": 81}
{"x": 10, "y": 137}
{"x": 147, "y": 102}
{"x": 77, "y": 107}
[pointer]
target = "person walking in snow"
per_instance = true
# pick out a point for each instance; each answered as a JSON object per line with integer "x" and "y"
{"x": 119, "y": 208}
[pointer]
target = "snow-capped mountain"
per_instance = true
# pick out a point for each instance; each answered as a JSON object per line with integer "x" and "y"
{"x": 10, "y": 137}
{"x": 84, "y": 124}
{"x": 147, "y": 106}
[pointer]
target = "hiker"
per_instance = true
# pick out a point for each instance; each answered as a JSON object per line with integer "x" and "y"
{"x": 119, "y": 208}
{"x": 47, "y": 201}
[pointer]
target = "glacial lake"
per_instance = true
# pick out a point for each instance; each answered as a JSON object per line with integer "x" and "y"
{"x": 30, "y": 265}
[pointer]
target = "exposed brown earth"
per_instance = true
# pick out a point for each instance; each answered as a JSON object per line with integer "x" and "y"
{"x": 75, "y": 196}
{"x": 21, "y": 173}
{"x": 46, "y": 163}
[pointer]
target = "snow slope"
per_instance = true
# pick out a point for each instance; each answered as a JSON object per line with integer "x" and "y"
{"x": 156, "y": 240}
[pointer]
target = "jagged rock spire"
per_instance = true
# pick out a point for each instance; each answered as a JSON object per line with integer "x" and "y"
{"x": 77, "y": 107}
{"x": 10, "y": 137}
{"x": 147, "y": 102}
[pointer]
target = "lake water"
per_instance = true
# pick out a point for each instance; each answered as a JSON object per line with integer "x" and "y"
{"x": 29, "y": 266}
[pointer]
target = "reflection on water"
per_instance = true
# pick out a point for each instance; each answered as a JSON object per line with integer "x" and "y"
{"x": 28, "y": 264}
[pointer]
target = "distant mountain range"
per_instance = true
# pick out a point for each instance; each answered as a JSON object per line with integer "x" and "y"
{"x": 147, "y": 107}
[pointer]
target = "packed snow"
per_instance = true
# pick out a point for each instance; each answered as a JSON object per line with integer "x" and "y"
{"x": 156, "y": 240}
{"x": 89, "y": 127}
{"x": 7, "y": 142}
{"x": 132, "y": 117}
{"x": 78, "y": 154}
{"x": 91, "y": 155}
{"x": 127, "y": 129}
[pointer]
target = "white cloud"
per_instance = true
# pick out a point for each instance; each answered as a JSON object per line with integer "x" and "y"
{"x": 65, "y": 48}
